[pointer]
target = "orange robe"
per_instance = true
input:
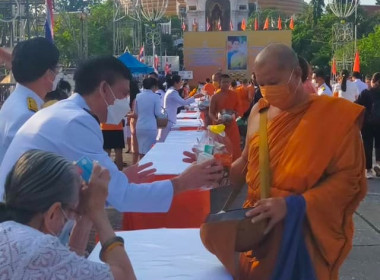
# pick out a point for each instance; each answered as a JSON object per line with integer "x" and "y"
{"x": 209, "y": 88}
{"x": 244, "y": 101}
{"x": 230, "y": 102}
{"x": 317, "y": 153}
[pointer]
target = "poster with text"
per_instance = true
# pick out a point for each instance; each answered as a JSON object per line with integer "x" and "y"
{"x": 237, "y": 53}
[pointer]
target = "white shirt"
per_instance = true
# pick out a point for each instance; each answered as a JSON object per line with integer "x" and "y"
{"x": 14, "y": 113}
{"x": 360, "y": 85}
{"x": 30, "y": 254}
{"x": 324, "y": 90}
{"x": 351, "y": 92}
{"x": 66, "y": 129}
{"x": 172, "y": 101}
{"x": 147, "y": 108}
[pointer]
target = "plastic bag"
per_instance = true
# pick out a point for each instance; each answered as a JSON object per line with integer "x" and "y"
{"x": 215, "y": 144}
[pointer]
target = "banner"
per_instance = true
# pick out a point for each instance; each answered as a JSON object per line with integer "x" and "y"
{"x": 237, "y": 53}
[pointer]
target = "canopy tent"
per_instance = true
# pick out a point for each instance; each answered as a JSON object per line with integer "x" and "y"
{"x": 134, "y": 65}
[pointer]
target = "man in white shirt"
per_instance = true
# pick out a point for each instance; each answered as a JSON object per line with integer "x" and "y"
{"x": 34, "y": 65}
{"x": 71, "y": 129}
{"x": 358, "y": 82}
{"x": 323, "y": 88}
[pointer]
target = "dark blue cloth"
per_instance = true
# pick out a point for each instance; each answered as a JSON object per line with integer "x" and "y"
{"x": 293, "y": 261}
{"x": 48, "y": 32}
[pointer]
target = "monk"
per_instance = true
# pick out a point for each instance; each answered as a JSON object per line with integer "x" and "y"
{"x": 315, "y": 155}
{"x": 225, "y": 99}
{"x": 209, "y": 88}
{"x": 244, "y": 93}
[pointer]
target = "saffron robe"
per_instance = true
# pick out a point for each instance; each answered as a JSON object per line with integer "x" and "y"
{"x": 315, "y": 151}
{"x": 230, "y": 102}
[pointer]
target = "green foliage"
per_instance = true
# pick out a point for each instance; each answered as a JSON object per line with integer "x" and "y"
{"x": 370, "y": 52}
{"x": 318, "y": 6}
{"x": 74, "y": 5}
{"x": 100, "y": 32}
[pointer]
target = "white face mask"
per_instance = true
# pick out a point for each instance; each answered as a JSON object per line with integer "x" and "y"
{"x": 117, "y": 111}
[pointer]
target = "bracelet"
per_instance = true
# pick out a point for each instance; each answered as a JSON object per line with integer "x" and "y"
{"x": 110, "y": 244}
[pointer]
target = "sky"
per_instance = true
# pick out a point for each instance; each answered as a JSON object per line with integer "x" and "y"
{"x": 363, "y": 2}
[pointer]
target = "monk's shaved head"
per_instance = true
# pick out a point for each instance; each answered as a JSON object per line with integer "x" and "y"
{"x": 278, "y": 55}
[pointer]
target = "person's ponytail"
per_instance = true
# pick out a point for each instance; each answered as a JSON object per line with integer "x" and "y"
{"x": 344, "y": 80}
{"x": 8, "y": 213}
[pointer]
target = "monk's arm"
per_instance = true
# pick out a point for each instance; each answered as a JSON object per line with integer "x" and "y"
{"x": 331, "y": 204}
{"x": 213, "y": 110}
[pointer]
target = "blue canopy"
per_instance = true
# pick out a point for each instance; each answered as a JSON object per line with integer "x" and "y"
{"x": 135, "y": 66}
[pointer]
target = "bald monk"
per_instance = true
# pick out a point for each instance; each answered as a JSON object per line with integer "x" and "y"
{"x": 244, "y": 93}
{"x": 315, "y": 155}
{"x": 225, "y": 99}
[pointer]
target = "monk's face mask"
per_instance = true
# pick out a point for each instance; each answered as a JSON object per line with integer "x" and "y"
{"x": 280, "y": 96}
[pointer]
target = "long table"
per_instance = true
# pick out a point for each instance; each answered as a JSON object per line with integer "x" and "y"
{"x": 189, "y": 209}
{"x": 169, "y": 254}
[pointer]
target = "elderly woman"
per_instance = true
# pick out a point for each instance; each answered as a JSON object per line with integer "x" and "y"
{"x": 43, "y": 192}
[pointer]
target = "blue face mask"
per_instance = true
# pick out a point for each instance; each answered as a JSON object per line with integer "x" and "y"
{"x": 64, "y": 236}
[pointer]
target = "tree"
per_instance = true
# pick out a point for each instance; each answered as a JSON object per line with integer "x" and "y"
{"x": 74, "y": 5}
{"x": 377, "y": 2}
{"x": 370, "y": 52}
{"x": 318, "y": 6}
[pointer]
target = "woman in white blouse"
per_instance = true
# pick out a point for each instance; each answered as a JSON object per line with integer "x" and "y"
{"x": 43, "y": 192}
{"x": 172, "y": 101}
{"x": 148, "y": 108}
{"x": 348, "y": 89}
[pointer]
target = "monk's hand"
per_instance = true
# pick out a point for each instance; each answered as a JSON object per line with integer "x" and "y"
{"x": 273, "y": 209}
{"x": 190, "y": 157}
{"x": 205, "y": 174}
{"x": 139, "y": 173}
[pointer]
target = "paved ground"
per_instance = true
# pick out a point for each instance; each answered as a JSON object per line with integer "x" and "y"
{"x": 363, "y": 262}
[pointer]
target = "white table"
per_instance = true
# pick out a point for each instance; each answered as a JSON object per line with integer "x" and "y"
{"x": 184, "y": 136}
{"x": 186, "y": 123}
{"x": 159, "y": 254}
{"x": 188, "y": 115}
{"x": 167, "y": 157}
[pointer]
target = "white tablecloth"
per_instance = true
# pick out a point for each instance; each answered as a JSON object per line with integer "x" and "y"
{"x": 159, "y": 254}
{"x": 184, "y": 136}
{"x": 187, "y": 115}
{"x": 167, "y": 158}
{"x": 187, "y": 123}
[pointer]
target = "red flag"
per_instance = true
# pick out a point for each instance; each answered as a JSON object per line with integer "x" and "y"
{"x": 156, "y": 62}
{"x": 243, "y": 25}
{"x": 183, "y": 26}
{"x": 356, "y": 63}
{"x": 219, "y": 25}
{"x": 291, "y": 24}
{"x": 256, "y": 24}
{"x": 333, "y": 67}
{"x": 208, "y": 26}
{"x": 279, "y": 23}
{"x": 231, "y": 26}
{"x": 141, "y": 54}
{"x": 266, "y": 24}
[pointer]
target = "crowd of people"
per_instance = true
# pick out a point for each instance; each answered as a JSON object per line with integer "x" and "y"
{"x": 314, "y": 142}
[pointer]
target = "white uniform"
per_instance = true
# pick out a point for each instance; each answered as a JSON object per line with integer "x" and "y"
{"x": 324, "y": 90}
{"x": 66, "y": 129}
{"x": 172, "y": 101}
{"x": 351, "y": 92}
{"x": 360, "y": 85}
{"x": 17, "y": 109}
{"x": 147, "y": 108}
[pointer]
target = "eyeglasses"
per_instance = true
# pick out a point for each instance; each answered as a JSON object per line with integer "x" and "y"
{"x": 71, "y": 214}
